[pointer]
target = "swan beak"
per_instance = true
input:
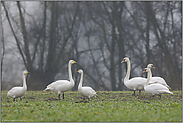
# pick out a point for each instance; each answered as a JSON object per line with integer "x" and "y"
{"x": 122, "y": 61}
{"x": 153, "y": 67}
{"x": 74, "y": 62}
{"x": 78, "y": 71}
{"x": 144, "y": 71}
{"x": 27, "y": 72}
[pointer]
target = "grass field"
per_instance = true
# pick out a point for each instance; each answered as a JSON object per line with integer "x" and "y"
{"x": 107, "y": 106}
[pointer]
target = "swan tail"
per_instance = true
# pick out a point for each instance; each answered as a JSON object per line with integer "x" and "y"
{"x": 47, "y": 89}
{"x": 170, "y": 92}
{"x": 166, "y": 91}
{"x": 169, "y": 87}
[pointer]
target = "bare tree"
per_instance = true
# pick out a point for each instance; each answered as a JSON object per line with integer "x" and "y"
{"x": 98, "y": 35}
{"x": 46, "y": 71}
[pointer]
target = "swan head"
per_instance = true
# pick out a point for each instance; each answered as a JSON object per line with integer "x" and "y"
{"x": 126, "y": 59}
{"x": 25, "y": 72}
{"x": 80, "y": 71}
{"x": 150, "y": 66}
{"x": 72, "y": 62}
{"x": 146, "y": 70}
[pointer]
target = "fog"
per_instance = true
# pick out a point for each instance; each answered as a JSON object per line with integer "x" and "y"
{"x": 42, "y": 37}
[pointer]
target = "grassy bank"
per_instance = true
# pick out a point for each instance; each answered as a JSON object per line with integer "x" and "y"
{"x": 109, "y": 106}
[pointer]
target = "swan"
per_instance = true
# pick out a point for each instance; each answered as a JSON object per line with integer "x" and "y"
{"x": 17, "y": 92}
{"x": 159, "y": 80}
{"x": 62, "y": 85}
{"x": 136, "y": 83}
{"x": 154, "y": 88}
{"x": 85, "y": 91}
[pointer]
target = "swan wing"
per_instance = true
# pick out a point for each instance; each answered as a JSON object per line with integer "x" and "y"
{"x": 87, "y": 91}
{"x": 16, "y": 92}
{"x": 58, "y": 82}
{"x": 157, "y": 88}
{"x": 136, "y": 83}
{"x": 159, "y": 80}
{"x": 59, "y": 85}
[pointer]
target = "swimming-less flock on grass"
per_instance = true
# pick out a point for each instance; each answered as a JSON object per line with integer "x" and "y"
{"x": 152, "y": 85}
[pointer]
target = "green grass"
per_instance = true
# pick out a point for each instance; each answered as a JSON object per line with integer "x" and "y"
{"x": 107, "y": 106}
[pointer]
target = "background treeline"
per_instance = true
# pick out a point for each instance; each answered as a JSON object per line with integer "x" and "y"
{"x": 43, "y": 36}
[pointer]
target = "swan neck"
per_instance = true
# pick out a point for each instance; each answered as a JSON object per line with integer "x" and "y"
{"x": 128, "y": 71}
{"x": 24, "y": 82}
{"x": 70, "y": 74}
{"x": 149, "y": 74}
{"x": 81, "y": 82}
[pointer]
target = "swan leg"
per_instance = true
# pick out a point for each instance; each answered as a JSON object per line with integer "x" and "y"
{"x": 88, "y": 99}
{"x": 133, "y": 93}
{"x": 160, "y": 96}
{"x": 13, "y": 99}
{"x": 20, "y": 98}
{"x": 139, "y": 92}
{"x": 63, "y": 95}
{"x": 59, "y": 96}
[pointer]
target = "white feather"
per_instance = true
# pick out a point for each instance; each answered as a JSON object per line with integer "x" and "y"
{"x": 17, "y": 92}
{"x": 136, "y": 83}
{"x": 155, "y": 88}
{"x": 85, "y": 91}
{"x": 62, "y": 85}
{"x": 159, "y": 80}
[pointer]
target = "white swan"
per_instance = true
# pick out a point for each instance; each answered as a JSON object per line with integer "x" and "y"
{"x": 85, "y": 91}
{"x": 136, "y": 83}
{"x": 159, "y": 80}
{"x": 154, "y": 88}
{"x": 62, "y": 85}
{"x": 17, "y": 92}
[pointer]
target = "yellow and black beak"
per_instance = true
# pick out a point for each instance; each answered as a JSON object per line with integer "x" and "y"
{"x": 74, "y": 62}
{"x": 27, "y": 72}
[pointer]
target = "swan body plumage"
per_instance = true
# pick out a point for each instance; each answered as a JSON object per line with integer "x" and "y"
{"x": 18, "y": 92}
{"x": 154, "y": 88}
{"x": 159, "y": 80}
{"x": 59, "y": 86}
{"x": 136, "y": 83}
{"x": 86, "y": 90}
{"x": 62, "y": 85}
